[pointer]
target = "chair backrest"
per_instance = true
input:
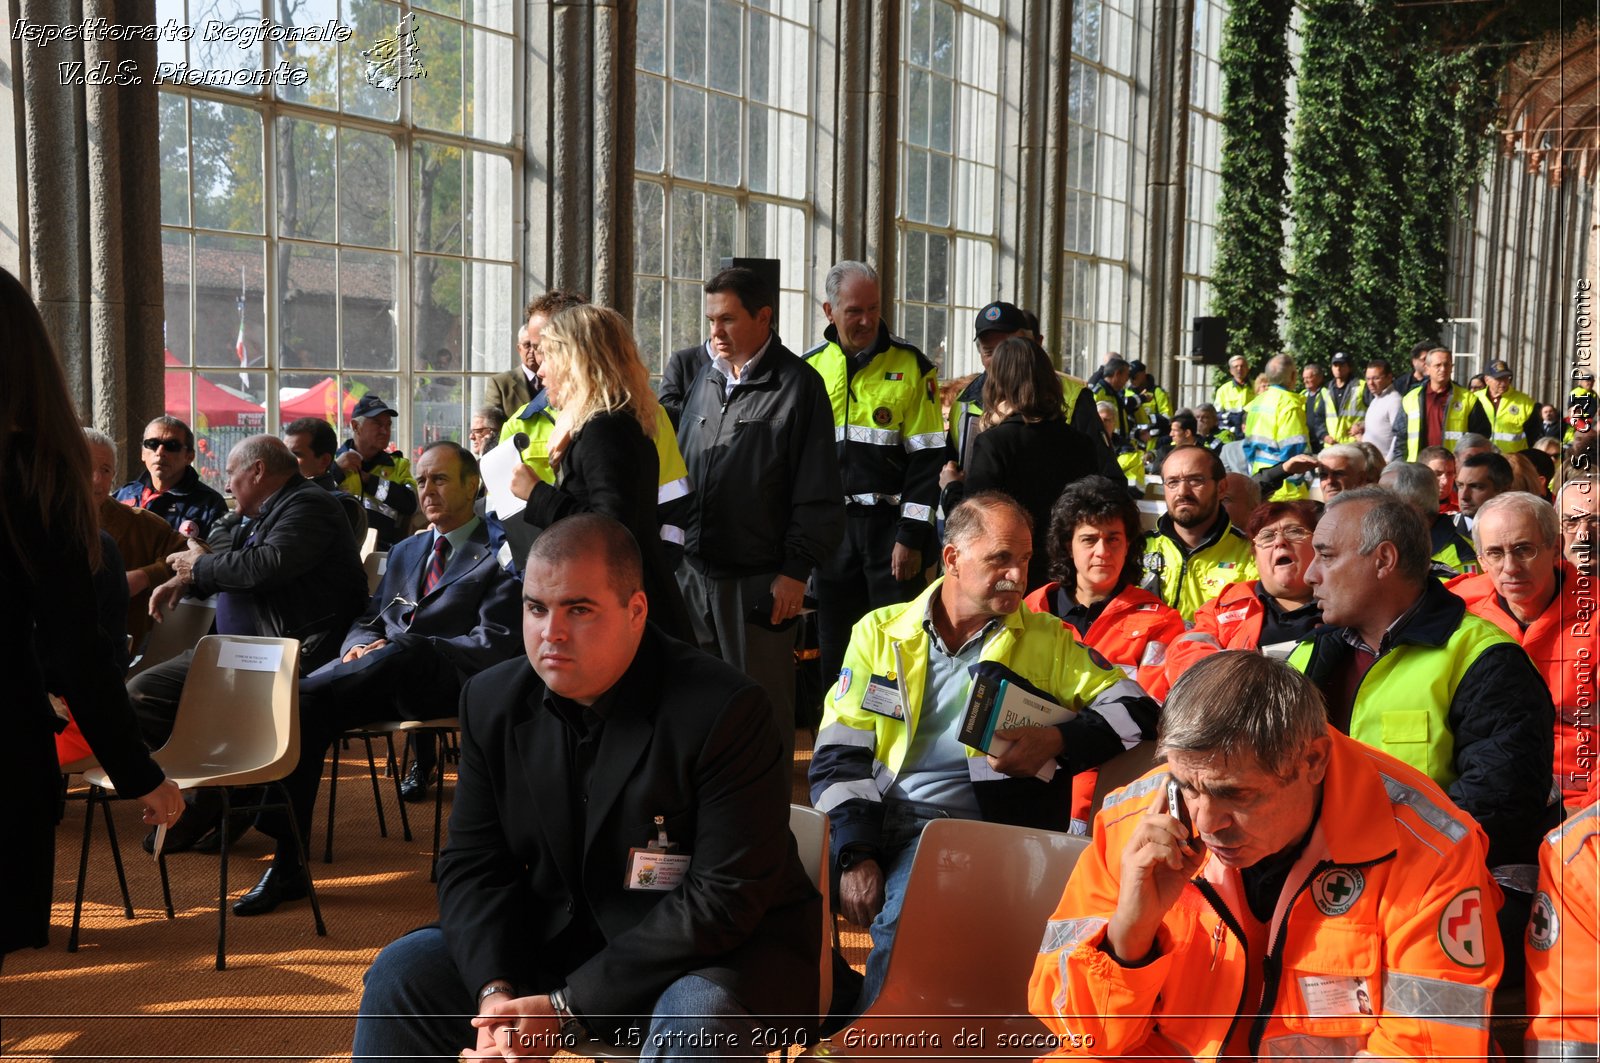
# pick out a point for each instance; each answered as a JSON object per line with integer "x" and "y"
{"x": 181, "y": 627}
{"x": 370, "y": 543}
{"x": 1121, "y": 770}
{"x": 375, "y": 563}
{"x": 810, "y": 830}
{"x": 239, "y": 716}
{"x": 973, "y": 916}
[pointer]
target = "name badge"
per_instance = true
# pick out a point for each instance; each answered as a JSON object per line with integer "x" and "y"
{"x": 1327, "y": 997}
{"x": 655, "y": 870}
{"x": 882, "y": 697}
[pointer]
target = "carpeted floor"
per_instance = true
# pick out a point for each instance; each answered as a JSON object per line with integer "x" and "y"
{"x": 147, "y": 989}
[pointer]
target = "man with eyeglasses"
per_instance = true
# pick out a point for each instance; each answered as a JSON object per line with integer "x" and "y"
{"x": 513, "y": 389}
{"x": 1405, "y": 668}
{"x": 1532, "y": 594}
{"x": 483, "y": 431}
{"x": 1575, "y": 503}
{"x": 1195, "y": 550}
{"x": 446, "y": 609}
{"x": 170, "y": 487}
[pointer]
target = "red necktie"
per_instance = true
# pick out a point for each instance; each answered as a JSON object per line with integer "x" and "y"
{"x": 441, "y": 547}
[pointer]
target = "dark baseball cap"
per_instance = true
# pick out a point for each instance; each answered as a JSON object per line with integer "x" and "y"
{"x": 1499, "y": 370}
{"x": 1342, "y": 358}
{"x": 1584, "y": 374}
{"x": 370, "y": 405}
{"x": 999, "y": 317}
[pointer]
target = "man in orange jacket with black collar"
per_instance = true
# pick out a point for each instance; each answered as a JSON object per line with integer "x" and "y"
{"x": 1303, "y": 896}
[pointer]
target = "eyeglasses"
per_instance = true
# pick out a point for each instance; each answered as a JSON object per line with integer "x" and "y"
{"x": 481, "y": 432}
{"x": 1191, "y": 482}
{"x": 1494, "y": 557}
{"x": 1292, "y": 533}
{"x": 171, "y": 446}
{"x": 526, "y": 346}
{"x": 1578, "y": 521}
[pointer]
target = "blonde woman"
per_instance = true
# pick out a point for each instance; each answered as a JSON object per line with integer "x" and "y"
{"x": 601, "y": 449}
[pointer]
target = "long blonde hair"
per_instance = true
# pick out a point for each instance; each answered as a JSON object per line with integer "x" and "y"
{"x": 592, "y": 348}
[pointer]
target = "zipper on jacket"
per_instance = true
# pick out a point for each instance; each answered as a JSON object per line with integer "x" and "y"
{"x": 1210, "y": 893}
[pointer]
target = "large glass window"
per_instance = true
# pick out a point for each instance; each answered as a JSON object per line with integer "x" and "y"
{"x": 1205, "y": 184}
{"x": 338, "y": 215}
{"x": 949, "y": 176}
{"x": 722, "y": 158}
{"x": 1094, "y": 265}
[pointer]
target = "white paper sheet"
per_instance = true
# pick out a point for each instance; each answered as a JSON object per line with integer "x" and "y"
{"x": 250, "y": 656}
{"x": 496, "y": 468}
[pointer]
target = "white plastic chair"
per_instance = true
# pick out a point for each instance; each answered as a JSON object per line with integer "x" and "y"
{"x": 181, "y": 628}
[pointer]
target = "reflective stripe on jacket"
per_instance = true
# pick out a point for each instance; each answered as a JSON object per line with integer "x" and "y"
{"x": 1275, "y": 431}
{"x": 1456, "y": 414}
{"x": 1563, "y": 941}
{"x": 1509, "y": 418}
{"x": 859, "y": 752}
{"x": 1187, "y": 579}
{"x": 1391, "y": 897}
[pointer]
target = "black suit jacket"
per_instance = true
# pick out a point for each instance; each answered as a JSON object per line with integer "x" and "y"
{"x": 300, "y": 568}
{"x": 472, "y": 618}
{"x": 686, "y": 737}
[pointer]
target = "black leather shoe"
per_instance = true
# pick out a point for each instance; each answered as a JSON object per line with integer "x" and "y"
{"x": 414, "y": 787}
{"x": 197, "y": 820}
{"x": 274, "y": 888}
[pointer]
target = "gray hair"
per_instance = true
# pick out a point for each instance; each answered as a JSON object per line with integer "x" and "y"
{"x": 1415, "y": 484}
{"x": 272, "y": 452}
{"x": 1530, "y": 505}
{"x": 844, "y": 272}
{"x": 969, "y": 520}
{"x": 96, "y": 438}
{"x": 1280, "y": 369}
{"x": 491, "y": 415}
{"x": 1389, "y": 519}
{"x": 1375, "y": 460}
{"x": 1472, "y": 440}
{"x": 1351, "y": 453}
{"x": 1240, "y": 703}
{"x": 1206, "y": 407}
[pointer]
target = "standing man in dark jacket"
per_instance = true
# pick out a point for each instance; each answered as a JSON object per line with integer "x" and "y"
{"x": 757, "y": 436}
{"x": 292, "y": 572}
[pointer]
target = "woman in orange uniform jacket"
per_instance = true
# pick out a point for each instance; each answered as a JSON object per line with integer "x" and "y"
{"x": 1094, "y": 590}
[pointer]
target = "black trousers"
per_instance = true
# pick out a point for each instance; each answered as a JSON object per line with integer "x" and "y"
{"x": 409, "y": 682}
{"x": 858, "y": 579}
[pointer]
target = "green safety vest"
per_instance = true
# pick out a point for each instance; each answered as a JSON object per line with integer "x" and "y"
{"x": 1403, "y": 703}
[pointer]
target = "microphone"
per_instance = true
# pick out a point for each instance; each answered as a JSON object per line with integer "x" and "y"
{"x": 520, "y": 441}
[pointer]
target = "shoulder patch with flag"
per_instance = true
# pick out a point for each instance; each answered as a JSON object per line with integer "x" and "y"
{"x": 894, "y": 376}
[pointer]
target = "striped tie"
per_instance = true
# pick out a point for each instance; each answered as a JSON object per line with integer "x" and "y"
{"x": 441, "y": 548}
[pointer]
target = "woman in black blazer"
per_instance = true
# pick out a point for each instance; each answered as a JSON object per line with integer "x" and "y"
{"x": 602, "y": 447}
{"x": 1024, "y": 445}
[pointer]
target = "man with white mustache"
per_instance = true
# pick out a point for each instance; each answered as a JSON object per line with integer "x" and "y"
{"x": 888, "y": 758}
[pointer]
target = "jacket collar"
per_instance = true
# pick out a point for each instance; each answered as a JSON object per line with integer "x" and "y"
{"x": 1348, "y": 827}
{"x": 880, "y": 343}
{"x": 760, "y": 372}
{"x": 186, "y": 483}
{"x": 1434, "y": 619}
{"x": 537, "y": 405}
{"x": 905, "y": 623}
{"x": 1167, "y": 530}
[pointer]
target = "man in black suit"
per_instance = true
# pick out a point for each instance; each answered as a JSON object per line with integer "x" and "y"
{"x": 289, "y": 570}
{"x": 619, "y": 856}
{"x": 446, "y": 610}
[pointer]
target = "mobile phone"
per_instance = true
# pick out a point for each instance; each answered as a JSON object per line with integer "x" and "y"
{"x": 1179, "y": 811}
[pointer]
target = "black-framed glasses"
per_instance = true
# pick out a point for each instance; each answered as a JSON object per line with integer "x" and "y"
{"x": 171, "y": 446}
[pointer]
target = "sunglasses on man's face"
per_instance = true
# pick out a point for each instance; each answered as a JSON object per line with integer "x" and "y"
{"x": 171, "y": 446}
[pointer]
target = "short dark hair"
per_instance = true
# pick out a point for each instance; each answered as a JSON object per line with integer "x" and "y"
{"x": 1381, "y": 363}
{"x": 1218, "y": 470}
{"x": 1092, "y": 500}
{"x": 469, "y": 464}
{"x": 1420, "y": 349}
{"x": 747, "y": 284}
{"x": 1020, "y": 375}
{"x": 323, "y": 439}
{"x": 1427, "y": 454}
{"x": 585, "y": 535}
{"x": 1500, "y": 473}
{"x": 1185, "y": 420}
{"x": 552, "y": 303}
{"x": 166, "y": 420}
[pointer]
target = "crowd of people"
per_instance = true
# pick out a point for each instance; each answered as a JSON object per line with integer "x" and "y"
{"x": 1353, "y": 620}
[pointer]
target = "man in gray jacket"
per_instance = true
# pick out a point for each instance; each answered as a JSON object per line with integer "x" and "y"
{"x": 756, "y": 432}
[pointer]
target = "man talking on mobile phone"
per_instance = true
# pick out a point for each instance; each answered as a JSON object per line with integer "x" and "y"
{"x": 1325, "y": 900}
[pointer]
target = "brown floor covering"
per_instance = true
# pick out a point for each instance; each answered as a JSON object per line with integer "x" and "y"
{"x": 146, "y": 989}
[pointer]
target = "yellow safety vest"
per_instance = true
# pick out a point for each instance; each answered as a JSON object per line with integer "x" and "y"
{"x": 1275, "y": 431}
{"x": 1232, "y": 397}
{"x": 1507, "y": 419}
{"x": 1455, "y": 418}
{"x": 1188, "y": 581}
{"x": 1340, "y": 418}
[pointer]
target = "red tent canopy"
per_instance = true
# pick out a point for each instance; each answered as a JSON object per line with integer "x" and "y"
{"x": 215, "y": 407}
{"x": 320, "y": 400}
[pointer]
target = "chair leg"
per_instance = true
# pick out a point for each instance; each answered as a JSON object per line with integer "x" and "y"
{"x": 83, "y": 868}
{"x": 311, "y": 886}
{"x": 116, "y": 860}
{"x": 166, "y": 885}
{"x": 405, "y": 820}
{"x": 222, "y": 886}
{"x": 377, "y": 796}
{"x": 333, "y": 795}
{"x": 438, "y": 812}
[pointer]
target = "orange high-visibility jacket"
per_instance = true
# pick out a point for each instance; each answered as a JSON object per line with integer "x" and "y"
{"x": 1390, "y": 909}
{"x": 1232, "y": 621}
{"x": 1562, "y": 645}
{"x": 1563, "y": 943}
{"x": 1134, "y": 633}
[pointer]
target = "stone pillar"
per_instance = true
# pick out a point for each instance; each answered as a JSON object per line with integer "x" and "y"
{"x": 1166, "y": 182}
{"x": 93, "y": 217}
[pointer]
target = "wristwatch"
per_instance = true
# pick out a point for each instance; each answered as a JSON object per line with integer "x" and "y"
{"x": 570, "y": 1023}
{"x": 848, "y": 858}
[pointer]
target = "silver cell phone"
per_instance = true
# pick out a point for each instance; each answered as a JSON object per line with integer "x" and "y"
{"x": 1179, "y": 811}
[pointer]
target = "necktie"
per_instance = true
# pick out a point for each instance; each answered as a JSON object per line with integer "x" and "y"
{"x": 441, "y": 550}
